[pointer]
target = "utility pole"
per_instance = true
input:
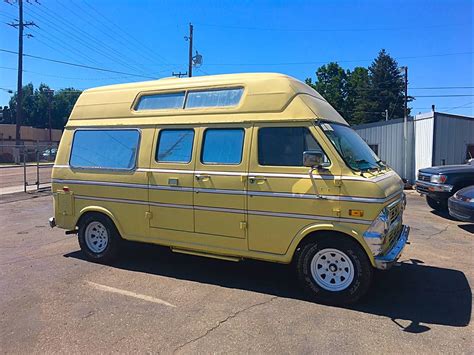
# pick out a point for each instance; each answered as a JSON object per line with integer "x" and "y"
{"x": 19, "y": 98}
{"x": 405, "y": 122}
{"x": 190, "y": 55}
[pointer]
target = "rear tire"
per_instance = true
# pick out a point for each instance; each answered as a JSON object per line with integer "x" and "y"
{"x": 334, "y": 270}
{"x": 438, "y": 205}
{"x": 98, "y": 238}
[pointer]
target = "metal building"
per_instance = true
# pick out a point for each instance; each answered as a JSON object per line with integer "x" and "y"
{"x": 433, "y": 138}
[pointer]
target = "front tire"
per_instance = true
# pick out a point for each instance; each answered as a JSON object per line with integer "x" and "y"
{"x": 98, "y": 238}
{"x": 437, "y": 205}
{"x": 334, "y": 270}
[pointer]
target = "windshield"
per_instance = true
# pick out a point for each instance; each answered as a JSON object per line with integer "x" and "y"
{"x": 355, "y": 152}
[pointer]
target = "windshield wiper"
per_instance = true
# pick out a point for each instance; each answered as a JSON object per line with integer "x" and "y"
{"x": 363, "y": 161}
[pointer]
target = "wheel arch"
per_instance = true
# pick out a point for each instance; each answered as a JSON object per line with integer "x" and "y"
{"x": 101, "y": 210}
{"x": 313, "y": 232}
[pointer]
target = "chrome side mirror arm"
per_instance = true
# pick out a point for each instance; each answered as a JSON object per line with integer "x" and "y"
{"x": 313, "y": 182}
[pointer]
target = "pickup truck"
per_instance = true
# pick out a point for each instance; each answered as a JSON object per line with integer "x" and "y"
{"x": 439, "y": 183}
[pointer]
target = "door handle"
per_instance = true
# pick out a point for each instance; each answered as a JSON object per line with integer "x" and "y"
{"x": 257, "y": 179}
{"x": 200, "y": 177}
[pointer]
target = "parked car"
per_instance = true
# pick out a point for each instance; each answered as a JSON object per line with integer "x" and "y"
{"x": 439, "y": 183}
{"x": 49, "y": 154}
{"x": 461, "y": 204}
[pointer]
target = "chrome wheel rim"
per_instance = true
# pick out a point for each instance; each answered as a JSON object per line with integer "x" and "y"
{"x": 96, "y": 237}
{"x": 332, "y": 270}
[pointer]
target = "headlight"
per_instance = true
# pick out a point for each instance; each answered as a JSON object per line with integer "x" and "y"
{"x": 375, "y": 235}
{"x": 438, "y": 179}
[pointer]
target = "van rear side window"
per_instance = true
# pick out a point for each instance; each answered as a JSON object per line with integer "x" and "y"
{"x": 105, "y": 149}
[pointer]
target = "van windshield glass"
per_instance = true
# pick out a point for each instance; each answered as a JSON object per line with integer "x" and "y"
{"x": 355, "y": 152}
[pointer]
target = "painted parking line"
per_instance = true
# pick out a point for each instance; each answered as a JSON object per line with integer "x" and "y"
{"x": 129, "y": 294}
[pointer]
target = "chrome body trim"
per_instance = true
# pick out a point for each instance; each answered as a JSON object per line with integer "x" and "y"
{"x": 231, "y": 192}
{"x": 385, "y": 261}
{"x": 276, "y": 175}
{"x": 432, "y": 185}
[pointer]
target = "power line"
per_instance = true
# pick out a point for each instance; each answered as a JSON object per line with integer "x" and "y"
{"x": 340, "y": 61}
{"x": 66, "y": 77}
{"x": 251, "y": 28}
{"x": 443, "y": 87}
{"x": 456, "y": 95}
{"x": 134, "y": 41}
{"x": 87, "y": 41}
{"x": 78, "y": 65}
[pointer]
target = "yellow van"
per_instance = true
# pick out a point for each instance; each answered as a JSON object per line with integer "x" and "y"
{"x": 255, "y": 166}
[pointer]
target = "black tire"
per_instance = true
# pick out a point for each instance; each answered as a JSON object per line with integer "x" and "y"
{"x": 113, "y": 238}
{"x": 437, "y": 205}
{"x": 362, "y": 275}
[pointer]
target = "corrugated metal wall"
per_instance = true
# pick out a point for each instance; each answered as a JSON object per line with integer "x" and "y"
{"x": 388, "y": 135}
{"x": 423, "y": 141}
{"x": 452, "y": 135}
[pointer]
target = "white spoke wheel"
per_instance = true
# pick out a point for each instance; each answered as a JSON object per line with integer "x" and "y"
{"x": 332, "y": 269}
{"x": 96, "y": 237}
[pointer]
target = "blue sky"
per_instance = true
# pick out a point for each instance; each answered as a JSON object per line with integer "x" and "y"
{"x": 293, "y": 37}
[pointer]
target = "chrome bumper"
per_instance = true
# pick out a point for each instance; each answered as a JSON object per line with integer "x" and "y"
{"x": 425, "y": 187}
{"x": 52, "y": 222}
{"x": 384, "y": 262}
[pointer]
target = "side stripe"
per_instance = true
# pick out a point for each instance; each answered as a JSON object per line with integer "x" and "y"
{"x": 228, "y": 210}
{"x": 232, "y": 192}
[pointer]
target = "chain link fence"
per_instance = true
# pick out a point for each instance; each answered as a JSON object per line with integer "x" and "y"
{"x": 26, "y": 167}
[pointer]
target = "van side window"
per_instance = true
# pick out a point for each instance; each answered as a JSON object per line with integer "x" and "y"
{"x": 163, "y": 101}
{"x": 222, "y": 146}
{"x": 284, "y": 146}
{"x": 175, "y": 145}
{"x": 105, "y": 149}
{"x": 214, "y": 98}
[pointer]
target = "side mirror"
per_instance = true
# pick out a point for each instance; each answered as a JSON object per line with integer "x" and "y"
{"x": 313, "y": 159}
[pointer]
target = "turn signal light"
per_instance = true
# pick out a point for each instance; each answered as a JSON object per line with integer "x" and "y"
{"x": 356, "y": 213}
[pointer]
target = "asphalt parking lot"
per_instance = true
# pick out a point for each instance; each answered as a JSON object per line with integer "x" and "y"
{"x": 52, "y": 300}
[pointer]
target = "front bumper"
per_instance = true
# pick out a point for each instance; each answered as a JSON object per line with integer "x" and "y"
{"x": 384, "y": 262}
{"x": 460, "y": 210}
{"x": 424, "y": 187}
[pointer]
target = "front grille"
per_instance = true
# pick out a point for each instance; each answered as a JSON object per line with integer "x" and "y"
{"x": 394, "y": 211}
{"x": 392, "y": 237}
{"x": 424, "y": 177}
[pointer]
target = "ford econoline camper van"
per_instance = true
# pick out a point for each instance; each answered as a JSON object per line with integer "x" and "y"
{"x": 255, "y": 166}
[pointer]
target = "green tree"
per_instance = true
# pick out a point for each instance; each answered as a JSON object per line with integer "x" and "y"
{"x": 332, "y": 85}
{"x": 363, "y": 94}
{"x": 387, "y": 87}
{"x": 359, "y": 101}
{"x": 36, "y": 104}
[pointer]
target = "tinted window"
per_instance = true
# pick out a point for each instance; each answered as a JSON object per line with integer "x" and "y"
{"x": 222, "y": 146}
{"x": 284, "y": 146}
{"x": 214, "y": 98}
{"x": 161, "y": 101}
{"x": 106, "y": 149}
{"x": 175, "y": 145}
